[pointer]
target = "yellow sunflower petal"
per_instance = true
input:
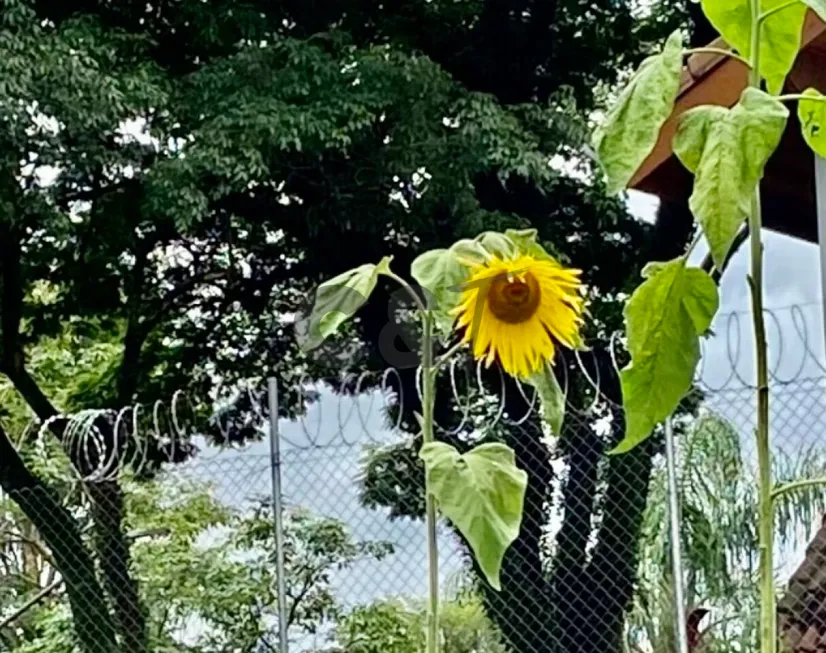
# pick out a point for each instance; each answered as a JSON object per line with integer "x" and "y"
{"x": 515, "y": 310}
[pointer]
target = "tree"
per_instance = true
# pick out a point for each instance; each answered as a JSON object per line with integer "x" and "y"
{"x": 191, "y": 170}
{"x": 399, "y": 626}
{"x": 208, "y": 573}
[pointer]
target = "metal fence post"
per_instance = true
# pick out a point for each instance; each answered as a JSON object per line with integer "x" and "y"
{"x": 278, "y": 514}
{"x": 676, "y": 548}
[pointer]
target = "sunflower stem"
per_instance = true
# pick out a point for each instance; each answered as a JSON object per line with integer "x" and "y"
{"x": 719, "y": 51}
{"x": 428, "y": 400}
{"x": 408, "y": 289}
{"x": 444, "y": 358}
{"x": 768, "y": 616}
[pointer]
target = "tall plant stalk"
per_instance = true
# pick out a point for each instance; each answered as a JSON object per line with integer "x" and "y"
{"x": 488, "y": 514}
{"x": 727, "y": 150}
{"x": 428, "y": 397}
{"x": 768, "y": 638}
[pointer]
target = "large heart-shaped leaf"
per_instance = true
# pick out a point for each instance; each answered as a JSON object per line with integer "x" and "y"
{"x": 779, "y": 39}
{"x": 811, "y": 110}
{"x": 664, "y": 319}
{"x": 482, "y": 492}
{"x": 338, "y": 299}
{"x": 727, "y": 150}
{"x": 633, "y": 125}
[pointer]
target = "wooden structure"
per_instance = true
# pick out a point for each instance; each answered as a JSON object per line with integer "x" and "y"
{"x": 802, "y": 610}
{"x": 789, "y": 189}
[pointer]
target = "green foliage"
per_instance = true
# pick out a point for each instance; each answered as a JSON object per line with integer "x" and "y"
{"x": 551, "y": 398}
{"x": 482, "y": 493}
{"x": 380, "y": 627}
{"x": 79, "y": 363}
{"x": 727, "y": 149}
{"x": 338, "y": 299}
{"x": 665, "y": 318}
{"x": 209, "y": 570}
{"x": 441, "y": 272}
{"x": 633, "y": 125}
{"x": 780, "y": 34}
{"x": 812, "y": 116}
{"x": 399, "y": 627}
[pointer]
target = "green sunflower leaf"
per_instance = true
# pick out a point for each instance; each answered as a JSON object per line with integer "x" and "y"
{"x": 633, "y": 125}
{"x": 551, "y": 398}
{"x": 780, "y": 37}
{"x": 441, "y": 272}
{"x": 664, "y": 320}
{"x": 470, "y": 252}
{"x": 727, "y": 150}
{"x": 512, "y": 243}
{"x": 498, "y": 244}
{"x": 812, "y": 115}
{"x": 338, "y": 299}
{"x": 526, "y": 242}
{"x": 482, "y": 492}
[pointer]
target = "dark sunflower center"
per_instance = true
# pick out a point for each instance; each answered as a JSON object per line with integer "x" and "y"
{"x": 514, "y": 300}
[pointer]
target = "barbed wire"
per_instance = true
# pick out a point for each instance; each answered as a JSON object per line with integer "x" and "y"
{"x": 795, "y": 343}
{"x": 369, "y": 406}
{"x": 102, "y": 443}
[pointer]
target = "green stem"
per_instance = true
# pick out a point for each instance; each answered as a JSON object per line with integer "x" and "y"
{"x": 444, "y": 358}
{"x": 780, "y": 490}
{"x": 720, "y": 51}
{"x": 794, "y": 97}
{"x": 697, "y": 238}
{"x": 428, "y": 399}
{"x": 409, "y": 289}
{"x": 768, "y": 618}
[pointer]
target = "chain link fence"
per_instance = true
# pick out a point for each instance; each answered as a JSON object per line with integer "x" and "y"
{"x": 194, "y": 565}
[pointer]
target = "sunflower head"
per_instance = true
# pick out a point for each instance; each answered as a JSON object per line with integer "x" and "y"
{"x": 516, "y": 309}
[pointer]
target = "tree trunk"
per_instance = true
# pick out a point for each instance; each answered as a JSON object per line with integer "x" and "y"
{"x": 114, "y": 556}
{"x": 522, "y": 610}
{"x": 92, "y": 622}
{"x": 111, "y": 545}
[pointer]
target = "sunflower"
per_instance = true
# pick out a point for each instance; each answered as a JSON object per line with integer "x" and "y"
{"x": 514, "y": 310}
